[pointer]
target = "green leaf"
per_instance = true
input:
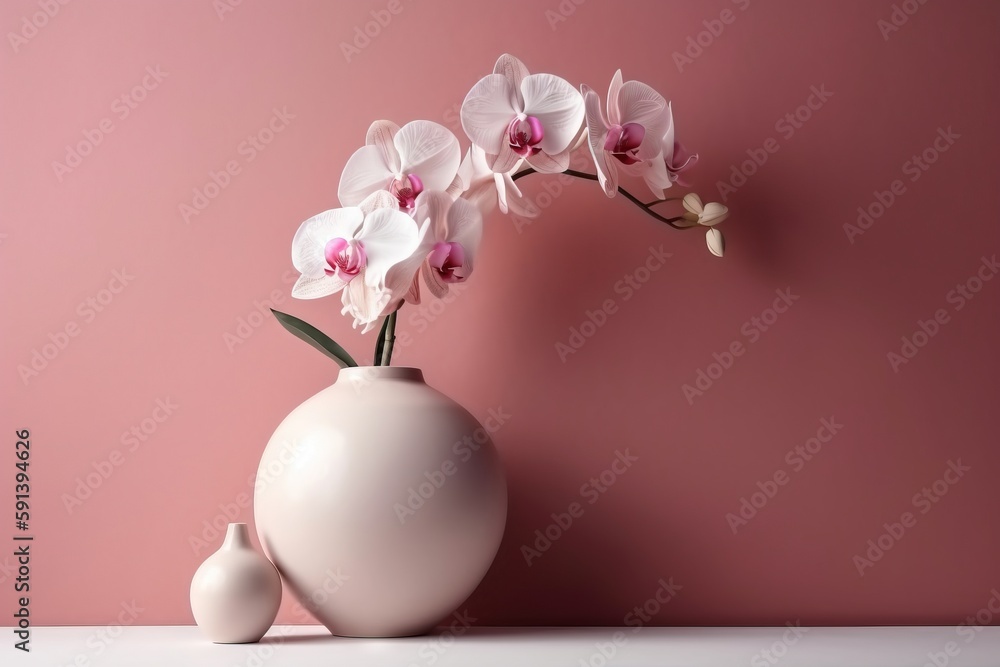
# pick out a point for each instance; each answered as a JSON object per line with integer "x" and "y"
{"x": 316, "y": 338}
{"x": 380, "y": 343}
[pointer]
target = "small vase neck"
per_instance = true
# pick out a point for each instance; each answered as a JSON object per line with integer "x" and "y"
{"x": 237, "y": 537}
{"x": 369, "y": 373}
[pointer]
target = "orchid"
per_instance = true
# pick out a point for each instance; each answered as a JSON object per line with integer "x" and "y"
{"x": 351, "y": 250}
{"x": 513, "y": 115}
{"x": 631, "y": 136}
{"x": 454, "y": 230}
{"x": 413, "y": 206}
{"x": 405, "y": 161}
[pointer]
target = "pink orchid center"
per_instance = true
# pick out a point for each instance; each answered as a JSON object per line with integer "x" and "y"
{"x": 448, "y": 259}
{"x": 624, "y": 140}
{"x": 344, "y": 258}
{"x": 405, "y": 190}
{"x": 524, "y": 134}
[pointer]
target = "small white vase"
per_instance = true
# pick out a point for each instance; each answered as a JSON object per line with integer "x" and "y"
{"x": 236, "y": 592}
{"x": 382, "y": 502}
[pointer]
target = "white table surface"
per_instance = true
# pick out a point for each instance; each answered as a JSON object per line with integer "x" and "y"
{"x": 303, "y": 646}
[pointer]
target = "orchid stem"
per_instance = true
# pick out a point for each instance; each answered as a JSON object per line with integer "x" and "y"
{"x": 648, "y": 208}
{"x": 390, "y": 338}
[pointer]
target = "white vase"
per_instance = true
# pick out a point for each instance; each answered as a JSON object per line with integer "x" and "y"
{"x": 236, "y": 592}
{"x": 382, "y": 502}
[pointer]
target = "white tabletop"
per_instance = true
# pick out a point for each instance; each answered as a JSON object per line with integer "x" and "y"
{"x": 302, "y": 646}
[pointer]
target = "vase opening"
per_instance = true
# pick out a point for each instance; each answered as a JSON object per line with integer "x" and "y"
{"x": 368, "y": 373}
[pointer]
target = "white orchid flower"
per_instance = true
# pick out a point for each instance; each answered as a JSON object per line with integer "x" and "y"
{"x": 513, "y": 115}
{"x": 630, "y": 137}
{"x": 454, "y": 229}
{"x": 422, "y": 155}
{"x": 351, "y": 250}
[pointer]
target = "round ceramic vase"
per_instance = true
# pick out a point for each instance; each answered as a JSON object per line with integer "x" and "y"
{"x": 382, "y": 502}
{"x": 236, "y": 592}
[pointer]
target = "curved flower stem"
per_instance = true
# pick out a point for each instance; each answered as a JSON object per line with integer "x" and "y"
{"x": 648, "y": 208}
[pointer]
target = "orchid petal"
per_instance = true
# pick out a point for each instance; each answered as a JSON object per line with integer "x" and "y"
{"x": 656, "y": 176}
{"x": 544, "y": 163}
{"x": 716, "y": 242}
{"x": 432, "y": 208}
{"x": 558, "y": 105}
{"x": 512, "y": 69}
{"x": 314, "y": 287}
{"x": 465, "y": 226}
{"x": 380, "y": 135}
{"x": 309, "y": 242}
{"x": 614, "y": 110}
{"x": 607, "y": 173}
{"x": 364, "y": 302}
{"x": 401, "y": 280}
{"x": 487, "y": 111}
{"x": 389, "y": 237}
{"x": 379, "y": 199}
{"x": 505, "y": 161}
{"x": 432, "y": 279}
{"x": 692, "y": 203}
{"x": 429, "y": 150}
{"x": 638, "y": 103}
{"x": 714, "y": 214}
{"x": 364, "y": 173}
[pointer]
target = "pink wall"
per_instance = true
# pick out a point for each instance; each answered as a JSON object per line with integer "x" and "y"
{"x": 162, "y": 337}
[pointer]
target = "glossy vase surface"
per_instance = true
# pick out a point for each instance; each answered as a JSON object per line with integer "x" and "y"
{"x": 382, "y": 502}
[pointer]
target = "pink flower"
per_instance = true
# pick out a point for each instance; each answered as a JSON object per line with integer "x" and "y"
{"x": 513, "y": 115}
{"x": 454, "y": 229}
{"x": 421, "y": 155}
{"x": 352, "y": 250}
{"x": 630, "y": 137}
